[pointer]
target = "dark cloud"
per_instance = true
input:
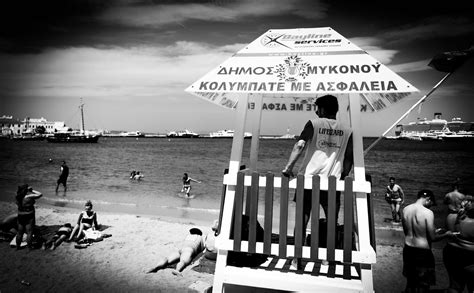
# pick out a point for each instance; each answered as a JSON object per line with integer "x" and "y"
{"x": 27, "y": 26}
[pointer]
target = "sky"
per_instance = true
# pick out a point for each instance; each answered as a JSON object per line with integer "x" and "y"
{"x": 131, "y": 60}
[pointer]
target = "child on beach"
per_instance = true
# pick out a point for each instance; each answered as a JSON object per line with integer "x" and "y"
{"x": 87, "y": 219}
{"x": 187, "y": 184}
{"x": 58, "y": 237}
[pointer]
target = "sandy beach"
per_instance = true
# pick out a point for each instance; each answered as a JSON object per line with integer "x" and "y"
{"x": 119, "y": 263}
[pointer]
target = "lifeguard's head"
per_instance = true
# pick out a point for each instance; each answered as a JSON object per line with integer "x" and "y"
{"x": 327, "y": 106}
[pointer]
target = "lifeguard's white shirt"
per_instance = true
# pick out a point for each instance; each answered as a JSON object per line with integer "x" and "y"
{"x": 325, "y": 150}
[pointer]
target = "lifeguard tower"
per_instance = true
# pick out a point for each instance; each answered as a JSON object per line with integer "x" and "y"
{"x": 297, "y": 64}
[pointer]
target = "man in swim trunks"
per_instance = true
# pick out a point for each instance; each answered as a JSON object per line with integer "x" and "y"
{"x": 193, "y": 244}
{"x": 419, "y": 230}
{"x": 63, "y": 176}
{"x": 395, "y": 197}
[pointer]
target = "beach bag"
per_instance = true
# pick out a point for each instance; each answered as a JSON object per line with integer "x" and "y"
{"x": 92, "y": 235}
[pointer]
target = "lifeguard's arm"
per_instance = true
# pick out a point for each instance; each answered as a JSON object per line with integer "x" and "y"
{"x": 348, "y": 159}
{"x": 294, "y": 156}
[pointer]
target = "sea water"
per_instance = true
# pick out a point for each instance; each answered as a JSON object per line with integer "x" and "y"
{"x": 100, "y": 172}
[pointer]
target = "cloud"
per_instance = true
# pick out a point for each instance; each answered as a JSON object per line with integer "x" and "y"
{"x": 111, "y": 72}
{"x": 430, "y": 28}
{"x": 161, "y": 15}
{"x": 371, "y": 46}
{"x": 411, "y": 66}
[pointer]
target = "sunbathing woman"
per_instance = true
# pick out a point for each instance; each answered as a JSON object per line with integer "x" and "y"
{"x": 87, "y": 219}
{"x": 191, "y": 247}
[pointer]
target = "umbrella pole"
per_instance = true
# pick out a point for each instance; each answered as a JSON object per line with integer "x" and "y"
{"x": 407, "y": 112}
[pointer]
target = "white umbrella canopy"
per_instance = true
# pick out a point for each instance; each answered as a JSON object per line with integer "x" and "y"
{"x": 298, "y": 65}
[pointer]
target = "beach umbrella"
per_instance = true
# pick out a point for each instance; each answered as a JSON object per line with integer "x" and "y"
{"x": 296, "y": 66}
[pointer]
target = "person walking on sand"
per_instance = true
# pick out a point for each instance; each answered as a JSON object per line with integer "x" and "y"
{"x": 419, "y": 230}
{"x": 192, "y": 245}
{"x": 25, "y": 200}
{"x": 187, "y": 184}
{"x": 63, "y": 176}
{"x": 395, "y": 197}
{"x": 328, "y": 145}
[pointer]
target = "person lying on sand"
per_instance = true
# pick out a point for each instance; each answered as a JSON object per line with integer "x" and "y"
{"x": 58, "y": 237}
{"x": 193, "y": 244}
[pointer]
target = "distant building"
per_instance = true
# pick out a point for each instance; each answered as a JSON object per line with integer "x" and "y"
{"x": 30, "y": 124}
{"x": 10, "y": 126}
{"x": 16, "y": 127}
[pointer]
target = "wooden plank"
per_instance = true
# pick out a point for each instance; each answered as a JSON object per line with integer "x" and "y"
{"x": 315, "y": 210}
{"x": 348, "y": 218}
{"x": 248, "y": 190}
{"x": 283, "y": 216}
{"x": 299, "y": 233}
{"x": 253, "y": 199}
{"x": 268, "y": 220}
{"x": 331, "y": 219}
{"x": 237, "y": 227}
{"x": 256, "y": 118}
{"x": 370, "y": 205}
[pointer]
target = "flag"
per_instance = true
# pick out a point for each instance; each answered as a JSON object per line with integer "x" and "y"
{"x": 450, "y": 61}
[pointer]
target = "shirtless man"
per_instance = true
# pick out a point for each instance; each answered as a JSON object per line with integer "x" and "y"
{"x": 454, "y": 199}
{"x": 419, "y": 229}
{"x": 395, "y": 197}
{"x": 193, "y": 244}
{"x": 458, "y": 254}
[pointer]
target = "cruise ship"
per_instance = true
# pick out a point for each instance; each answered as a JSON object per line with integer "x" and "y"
{"x": 226, "y": 133}
{"x": 436, "y": 129}
{"x": 132, "y": 134}
{"x": 182, "y": 134}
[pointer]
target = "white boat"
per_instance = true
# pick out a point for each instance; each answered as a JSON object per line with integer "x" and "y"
{"x": 132, "y": 134}
{"x": 226, "y": 133}
{"x": 182, "y": 134}
{"x": 435, "y": 130}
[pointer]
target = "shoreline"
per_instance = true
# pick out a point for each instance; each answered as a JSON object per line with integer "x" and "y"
{"x": 119, "y": 263}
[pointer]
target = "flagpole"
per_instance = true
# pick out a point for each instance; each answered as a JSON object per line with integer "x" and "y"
{"x": 407, "y": 112}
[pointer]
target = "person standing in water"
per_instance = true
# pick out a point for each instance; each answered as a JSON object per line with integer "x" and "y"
{"x": 63, "y": 176}
{"x": 187, "y": 184}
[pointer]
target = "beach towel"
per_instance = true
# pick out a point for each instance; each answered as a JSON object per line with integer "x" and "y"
{"x": 93, "y": 235}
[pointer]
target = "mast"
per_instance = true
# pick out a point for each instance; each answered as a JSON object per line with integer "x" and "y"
{"x": 82, "y": 116}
